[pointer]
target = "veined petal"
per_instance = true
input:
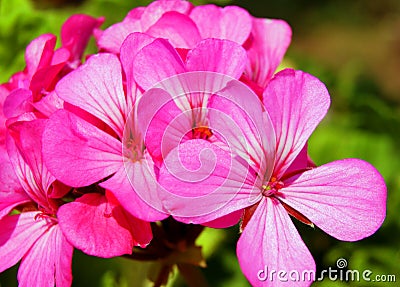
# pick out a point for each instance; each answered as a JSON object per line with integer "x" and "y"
{"x": 113, "y": 37}
{"x": 135, "y": 187}
{"x": 220, "y": 56}
{"x": 345, "y": 198}
{"x": 156, "y": 9}
{"x": 163, "y": 124}
{"x": 18, "y": 234}
{"x": 11, "y": 192}
{"x": 24, "y": 147}
{"x": 91, "y": 225}
{"x": 76, "y": 152}
{"x": 178, "y": 28}
{"x": 48, "y": 262}
{"x": 130, "y": 47}
{"x": 270, "y": 242}
{"x": 156, "y": 62}
{"x": 201, "y": 182}
{"x": 237, "y": 117}
{"x": 269, "y": 41}
{"x": 231, "y": 22}
{"x": 97, "y": 88}
{"x": 296, "y": 102}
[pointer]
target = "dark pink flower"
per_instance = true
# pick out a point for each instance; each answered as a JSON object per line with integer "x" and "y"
{"x": 80, "y": 152}
{"x": 268, "y": 175}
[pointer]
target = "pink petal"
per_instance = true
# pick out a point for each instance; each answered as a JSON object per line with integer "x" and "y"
{"x": 39, "y": 53}
{"x": 236, "y": 115}
{"x": 135, "y": 187}
{"x": 269, "y": 42}
{"x": 75, "y": 33}
{"x": 18, "y": 234}
{"x": 296, "y": 103}
{"x": 270, "y": 242}
{"x": 91, "y": 224}
{"x": 97, "y": 88}
{"x": 45, "y": 79}
{"x": 76, "y": 152}
{"x": 345, "y": 198}
{"x": 11, "y": 192}
{"x": 25, "y": 152}
{"x": 130, "y": 47}
{"x": 18, "y": 102}
{"x": 178, "y": 28}
{"x": 202, "y": 182}
{"x": 48, "y": 262}
{"x": 220, "y": 56}
{"x": 226, "y": 220}
{"x": 231, "y": 22}
{"x": 155, "y": 62}
{"x": 156, "y": 9}
{"x": 113, "y": 37}
{"x": 49, "y": 104}
{"x": 162, "y": 122}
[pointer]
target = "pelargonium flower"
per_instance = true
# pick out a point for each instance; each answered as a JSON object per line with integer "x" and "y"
{"x": 33, "y": 234}
{"x": 268, "y": 177}
{"x": 265, "y": 40}
{"x": 91, "y": 141}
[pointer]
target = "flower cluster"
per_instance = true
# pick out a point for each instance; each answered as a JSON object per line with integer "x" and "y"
{"x": 178, "y": 115}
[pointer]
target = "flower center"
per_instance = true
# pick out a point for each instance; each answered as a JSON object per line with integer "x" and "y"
{"x": 272, "y": 187}
{"x": 201, "y": 132}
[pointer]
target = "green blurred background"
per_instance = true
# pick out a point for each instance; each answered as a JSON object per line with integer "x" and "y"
{"x": 352, "y": 46}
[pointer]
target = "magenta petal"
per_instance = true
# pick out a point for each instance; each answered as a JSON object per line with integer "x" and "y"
{"x": 296, "y": 102}
{"x": 11, "y": 192}
{"x": 201, "y": 182}
{"x": 269, "y": 42}
{"x": 178, "y": 28}
{"x": 113, "y": 37}
{"x": 237, "y": 117}
{"x": 76, "y": 152}
{"x": 155, "y": 62}
{"x": 345, "y": 198}
{"x": 97, "y": 88}
{"x": 270, "y": 242}
{"x": 220, "y": 56}
{"x": 231, "y": 22}
{"x": 162, "y": 122}
{"x": 18, "y": 102}
{"x": 91, "y": 225}
{"x": 25, "y": 151}
{"x": 75, "y": 33}
{"x": 39, "y": 53}
{"x": 156, "y": 9}
{"x": 49, "y": 104}
{"x": 18, "y": 234}
{"x": 226, "y": 220}
{"x": 130, "y": 47}
{"x": 48, "y": 262}
{"x": 135, "y": 187}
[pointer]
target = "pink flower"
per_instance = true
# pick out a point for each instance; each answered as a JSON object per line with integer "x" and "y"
{"x": 33, "y": 235}
{"x": 89, "y": 145}
{"x": 271, "y": 179}
{"x": 184, "y": 26}
{"x": 177, "y": 91}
